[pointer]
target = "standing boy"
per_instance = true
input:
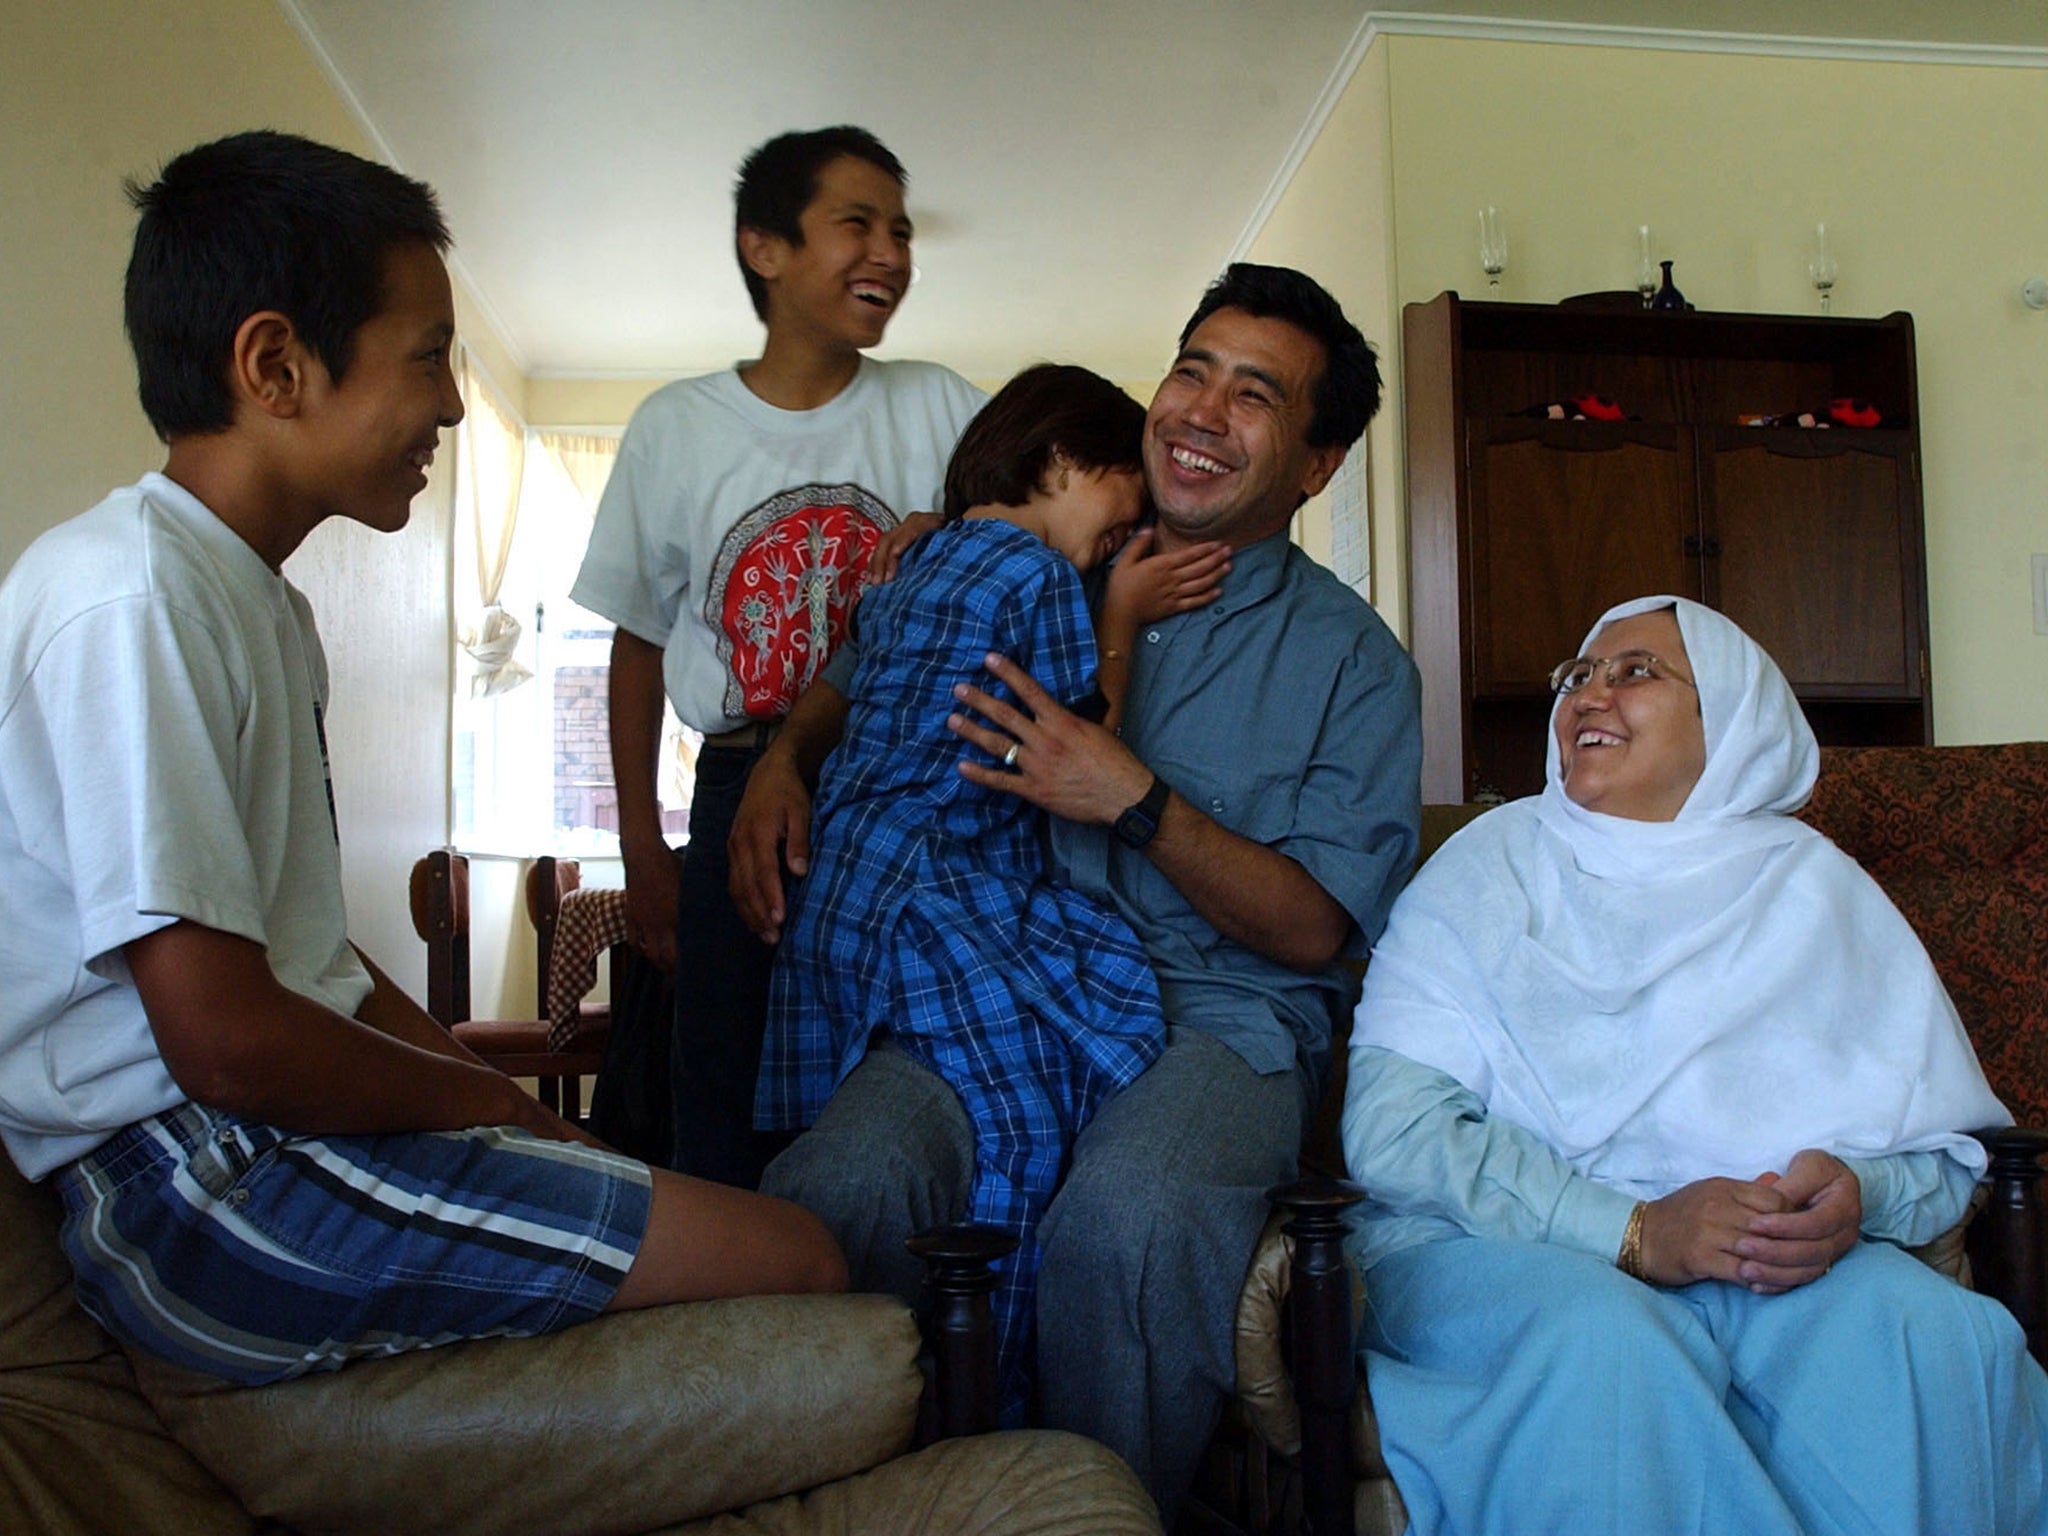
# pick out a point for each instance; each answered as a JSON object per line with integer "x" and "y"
{"x": 728, "y": 549}
{"x": 229, "y": 1097}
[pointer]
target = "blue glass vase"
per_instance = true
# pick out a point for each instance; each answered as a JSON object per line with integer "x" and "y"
{"x": 1668, "y": 296}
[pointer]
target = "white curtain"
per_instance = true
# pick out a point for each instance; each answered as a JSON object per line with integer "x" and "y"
{"x": 586, "y": 460}
{"x": 490, "y": 459}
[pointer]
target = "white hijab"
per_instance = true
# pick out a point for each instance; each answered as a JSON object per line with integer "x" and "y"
{"x": 1665, "y": 1001}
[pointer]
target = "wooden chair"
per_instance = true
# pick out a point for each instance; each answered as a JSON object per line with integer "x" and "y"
{"x": 516, "y": 1047}
{"x": 548, "y": 880}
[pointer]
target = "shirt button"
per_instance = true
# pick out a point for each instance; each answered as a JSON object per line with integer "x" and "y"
{"x": 1216, "y": 807}
{"x": 1152, "y": 637}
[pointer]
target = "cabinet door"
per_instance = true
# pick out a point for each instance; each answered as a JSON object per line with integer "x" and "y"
{"x": 1815, "y": 537}
{"x": 1569, "y": 519}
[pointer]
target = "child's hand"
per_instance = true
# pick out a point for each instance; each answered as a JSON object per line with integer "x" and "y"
{"x": 888, "y": 550}
{"x": 1151, "y": 586}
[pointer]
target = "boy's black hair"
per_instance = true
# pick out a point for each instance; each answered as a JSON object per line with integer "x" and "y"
{"x": 1348, "y": 393}
{"x": 1007, "y": 450}
{"x": 251, "y": 222}
{"x": 779, "y": 179}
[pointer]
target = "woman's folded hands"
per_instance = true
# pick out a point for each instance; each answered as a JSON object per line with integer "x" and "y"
{"x": 1770, "y": 1234}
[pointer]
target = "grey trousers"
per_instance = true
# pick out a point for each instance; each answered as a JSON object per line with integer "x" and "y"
{"x": 1146, "y": 1244}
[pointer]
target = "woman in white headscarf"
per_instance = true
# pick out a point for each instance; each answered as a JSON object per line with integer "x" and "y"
{"x": 1648, "y": 1084}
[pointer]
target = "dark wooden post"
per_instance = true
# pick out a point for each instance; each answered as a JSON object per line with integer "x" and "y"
{"x": 2008, "y": 1255}
{"x": 960, "y": 1330}
{"x": 1320, "y": 1346}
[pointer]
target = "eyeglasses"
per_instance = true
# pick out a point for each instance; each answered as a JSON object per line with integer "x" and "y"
{"x": 1623, "y": 671}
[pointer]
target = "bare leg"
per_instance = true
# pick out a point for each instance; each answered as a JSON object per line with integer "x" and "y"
{"x": 705, "y": 1239}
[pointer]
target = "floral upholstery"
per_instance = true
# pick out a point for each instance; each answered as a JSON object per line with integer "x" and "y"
{"x": 1958, "y": 838}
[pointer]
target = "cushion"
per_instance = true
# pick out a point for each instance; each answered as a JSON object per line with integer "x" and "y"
{"x": 1958, "y": 838}
{"x": 81, "y": 1452}
{"x": 1026, "y": 1483}
{"x": 631, "y": 1422}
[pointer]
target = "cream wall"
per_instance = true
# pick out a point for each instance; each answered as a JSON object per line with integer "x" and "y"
{"x": 1924, "y": 174}
{"x": 1336, "y": 222}
{"x": 94, "y": 90}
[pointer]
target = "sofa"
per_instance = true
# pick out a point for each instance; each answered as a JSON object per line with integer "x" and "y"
{"x": 1958, "y": 838}
{"x": 761, "y": 1416}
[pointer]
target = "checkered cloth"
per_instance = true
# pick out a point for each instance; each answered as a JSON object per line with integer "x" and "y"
{"x": 927, "y": 911}
{"x": 591, "y": 922}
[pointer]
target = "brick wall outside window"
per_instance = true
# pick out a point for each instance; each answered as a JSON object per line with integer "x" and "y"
{"x": 584, "y": 792}
{"x": 584, "y": 796}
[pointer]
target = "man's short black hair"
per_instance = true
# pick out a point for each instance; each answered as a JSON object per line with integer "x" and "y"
{"x": 778, "y": 181}
{"x": 1348, "y": 394}
{"x": 252, "y": 222}
{"x": 1007, "y": 450}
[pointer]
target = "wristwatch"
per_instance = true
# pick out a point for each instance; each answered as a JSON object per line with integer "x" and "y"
{"x": 1137, "y": 825}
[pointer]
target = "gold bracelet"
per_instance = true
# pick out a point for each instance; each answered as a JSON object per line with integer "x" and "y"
{"x": 1630, "y": 1259}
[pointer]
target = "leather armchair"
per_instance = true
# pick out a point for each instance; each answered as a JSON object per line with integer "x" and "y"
{"x": 1958, "y": 838}
{"x": 769, "y": 1415}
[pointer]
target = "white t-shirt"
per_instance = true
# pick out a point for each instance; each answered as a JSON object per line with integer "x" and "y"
{"x": 734, "y": 533}
{"x": 161, "y": 757}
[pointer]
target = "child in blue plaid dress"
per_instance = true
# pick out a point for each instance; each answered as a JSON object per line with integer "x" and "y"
{"x": 927, "y": 913}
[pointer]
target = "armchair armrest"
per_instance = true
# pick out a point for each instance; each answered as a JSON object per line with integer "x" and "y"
{"x": 1319, "y": 1324}
{"x": 629, "y": 1422}
{"x": 960, "y": 1332}
{"x": 2008, "y": 1252}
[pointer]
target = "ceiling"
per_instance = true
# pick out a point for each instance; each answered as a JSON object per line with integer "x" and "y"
{"x": 1079, "y": 168}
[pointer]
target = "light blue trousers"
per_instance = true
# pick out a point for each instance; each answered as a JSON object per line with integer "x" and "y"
{"x": 1523, "y": 1388}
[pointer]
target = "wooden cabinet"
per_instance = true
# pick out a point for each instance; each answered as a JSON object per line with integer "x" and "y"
{"x": 1523, "y": 530}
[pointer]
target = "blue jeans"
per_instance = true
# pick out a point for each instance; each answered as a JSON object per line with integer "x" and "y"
{"x": 721, "y": 994}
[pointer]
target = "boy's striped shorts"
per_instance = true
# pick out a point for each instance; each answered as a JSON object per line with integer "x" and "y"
{"x": 243, "y": 1251}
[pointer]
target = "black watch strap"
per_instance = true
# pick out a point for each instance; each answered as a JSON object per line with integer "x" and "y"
{"x": 1137, "y": 826}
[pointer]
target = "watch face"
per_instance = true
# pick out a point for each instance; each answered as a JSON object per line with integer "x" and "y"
{"x": 1136, "y": 826}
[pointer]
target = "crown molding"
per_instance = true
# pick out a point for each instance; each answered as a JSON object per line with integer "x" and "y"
{"x": 1378, "y": 24}
{"x": 1334, "y": 87}
{"x": 1685, "y": 40}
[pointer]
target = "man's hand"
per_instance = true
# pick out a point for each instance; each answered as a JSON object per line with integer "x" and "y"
{"x": 888, "y": 551}
{"x": 1064, "y": 764}
{"x": 1693, "y": 1232}
{"x": 1150, "y": 585}
{"x": 1252, "y": 894}
{"x": 773, "y": 824}
{"x": 653, "y": 892}
{"x": 1822, "y": 1221}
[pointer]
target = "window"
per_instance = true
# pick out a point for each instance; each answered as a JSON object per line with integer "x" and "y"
{"x": 532, "y": 769}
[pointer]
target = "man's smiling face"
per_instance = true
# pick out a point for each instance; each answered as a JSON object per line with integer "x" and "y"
{"x": 1226, "y": 440}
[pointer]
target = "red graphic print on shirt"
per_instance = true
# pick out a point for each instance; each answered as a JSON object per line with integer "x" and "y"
{"x": 784, "y": 581}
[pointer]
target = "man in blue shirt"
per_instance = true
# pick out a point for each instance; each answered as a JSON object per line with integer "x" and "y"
{"x": 1252, "y": 821}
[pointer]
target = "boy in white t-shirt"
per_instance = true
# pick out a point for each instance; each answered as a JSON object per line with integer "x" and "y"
{"x": 728, "y": 549}
{"x": 229, "y": 1096}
